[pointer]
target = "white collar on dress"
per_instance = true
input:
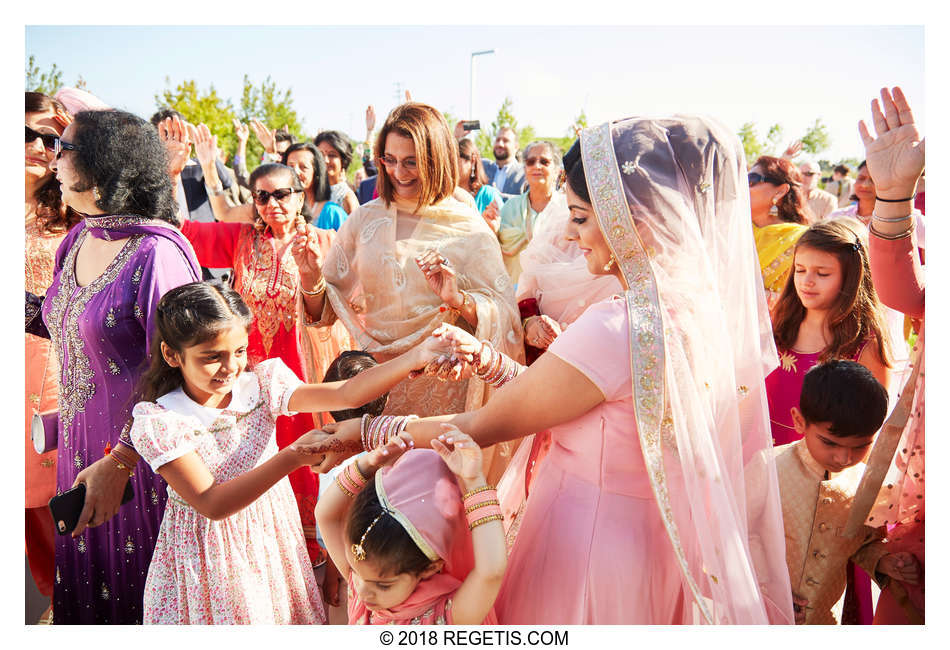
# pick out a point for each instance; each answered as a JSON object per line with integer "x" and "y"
{"x": 244, "y": 396}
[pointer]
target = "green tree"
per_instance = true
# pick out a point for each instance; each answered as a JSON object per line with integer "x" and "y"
{"x": 272, "y": 106}
{"x": 816, "y": 138}
{"x": 750, "y": 142}
{"x": 43, "y": 82}
{"x": 505, "y": 118}
{"x": 580, "y": 122}
{"x": 201, "y": 107}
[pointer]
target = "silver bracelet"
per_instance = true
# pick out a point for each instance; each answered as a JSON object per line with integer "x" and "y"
{"x": 892, "y": 219}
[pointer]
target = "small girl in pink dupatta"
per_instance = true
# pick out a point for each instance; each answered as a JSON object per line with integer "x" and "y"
{"x": 397, "y": 532}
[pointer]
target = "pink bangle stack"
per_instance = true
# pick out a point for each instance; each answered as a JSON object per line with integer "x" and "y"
{"x": 351, "y": 480}
{"x": 377, "y": 431}
{"x": 481, "y": 506}
{"x": 500, "y": 369}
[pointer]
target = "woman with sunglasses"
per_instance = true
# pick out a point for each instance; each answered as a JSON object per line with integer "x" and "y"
{"x": 109, "y": 273}
{"x": 474, "y": 180}
{"x": 779, "y": 217}
{"x": 523, "y": 214}
{"x": 47, "y": 221}
{"x": 267, "y": 277}
{"x": 413, "y": 259}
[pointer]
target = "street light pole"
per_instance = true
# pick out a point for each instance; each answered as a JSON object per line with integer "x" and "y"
{"x": 471, "y": 81}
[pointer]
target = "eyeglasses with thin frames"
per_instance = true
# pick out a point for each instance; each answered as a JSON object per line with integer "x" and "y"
{"x": 392, "y": 163}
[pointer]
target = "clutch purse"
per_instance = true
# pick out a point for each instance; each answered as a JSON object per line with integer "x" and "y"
{"x": 43, "y": 430}
{"x": 34, "y": 317}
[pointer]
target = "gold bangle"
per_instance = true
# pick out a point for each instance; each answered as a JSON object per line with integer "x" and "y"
{"x": 485, "y": 520}
{"x": 490, "y": 502}
{"x": 122, "y": 467}
{"x": 321, "y": 287}
{"x": 483, "y": 488}
{"x": 340, "y": 485}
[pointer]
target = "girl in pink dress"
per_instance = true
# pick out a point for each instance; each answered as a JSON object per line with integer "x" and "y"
{"x": 397, "y": 532}
{"x": 655, "y": 398}
{"x": 827, "y": 310}
{"x": 231, "y": 547}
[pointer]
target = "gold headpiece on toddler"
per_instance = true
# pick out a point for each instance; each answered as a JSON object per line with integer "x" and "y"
{"x": 358, "y": 551}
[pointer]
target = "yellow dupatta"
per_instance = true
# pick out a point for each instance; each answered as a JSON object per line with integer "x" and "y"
{"x": 776, "y": 247}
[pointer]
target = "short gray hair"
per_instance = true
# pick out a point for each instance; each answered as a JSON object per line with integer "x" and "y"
{"x": 555, "y": 152}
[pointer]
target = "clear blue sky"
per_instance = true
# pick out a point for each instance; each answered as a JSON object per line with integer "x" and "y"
{"x": 765, "y": 74}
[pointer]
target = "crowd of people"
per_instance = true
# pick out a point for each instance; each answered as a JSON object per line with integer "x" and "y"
{"x": 642, "y": 381}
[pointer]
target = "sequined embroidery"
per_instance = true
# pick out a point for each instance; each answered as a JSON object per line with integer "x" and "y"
{"x": 137, "y": 275}
{"x": 129, "y": 546}
{"x": 104, "y": 592}
{"x": 268, "y": 284}
{"x": 81, "y": 545}
{"x": 153, "y": 496}
{"x": 77, "y": 461}
{"x": 137, "y": 311}
{"x": 647, "y": 345}
{"x": 67, "y": 306}
{"x": 113, "y": 367}
{"x": 59, "y": 578}
{"x": 110, "y": 318}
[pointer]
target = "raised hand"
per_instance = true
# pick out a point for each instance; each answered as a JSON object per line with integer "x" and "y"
{"x": 460, "y": 452}
{"x": 895, "y": 157}
{"x": 459, "y": 130}
{"x": 267, "y": 137}
{"x": 408, "y": 97}
{"x": 492, "y": 216}
{"x": 370, "y": 120}
{"x": 306, "y": 251}
{"x": 241, "y": 130}
{"x": 206, "y": 145}
{"x": 441, "y": 277}
{"x": 174, "y": 135}
{"x": 792, "y": 150}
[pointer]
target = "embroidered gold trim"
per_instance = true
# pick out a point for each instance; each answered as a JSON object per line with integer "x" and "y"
{"x": 75, "y": 382}
{"x": 647, "y": 344}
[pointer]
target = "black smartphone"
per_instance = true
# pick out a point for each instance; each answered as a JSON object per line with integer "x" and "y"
{"x": 471, "y": 125}
{"x": 67, "y": 506}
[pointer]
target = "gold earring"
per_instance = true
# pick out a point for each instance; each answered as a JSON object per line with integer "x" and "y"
{"x": 610, "y": 264}
{"x": 95, "y": 194}
{"x": 773, "y": 211}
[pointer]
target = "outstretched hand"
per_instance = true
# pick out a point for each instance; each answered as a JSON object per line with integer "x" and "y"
{"x": 267, "y": 137}
{"x": 792, "y": 150}
{"x": 241, "y": 130}
{"x": 458, "y": 354}
{"x": 895, "y": 158}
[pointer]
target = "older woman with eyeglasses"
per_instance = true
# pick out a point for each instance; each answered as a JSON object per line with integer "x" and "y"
{"x": 779, "y": 217}
{"x": 413, "y": 259}
{"x": 109, "y": 273}
{"x": 267, "y": 276}
{"x": 523, "y": 214}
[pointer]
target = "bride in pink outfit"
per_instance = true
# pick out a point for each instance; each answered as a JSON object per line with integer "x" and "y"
{"x": 655, "y": 399}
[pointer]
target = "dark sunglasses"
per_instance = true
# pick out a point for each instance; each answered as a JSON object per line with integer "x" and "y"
{"x": 755, "y": 178}
{"x": 529, "y": 162}
{"x": 49, "y": 139}
{"x": 809, "y": 173}
{"x": 60, "y": 145}
{"x": 261, "y": 197}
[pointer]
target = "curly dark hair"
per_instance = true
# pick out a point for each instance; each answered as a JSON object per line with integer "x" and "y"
{"x": 52, "y": 214}
{"x": 339, "y": 142}
{"x": 120, "y": 154}
{"x": 792, "y": 207}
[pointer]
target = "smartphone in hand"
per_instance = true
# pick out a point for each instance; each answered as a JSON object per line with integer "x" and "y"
{"x": 67, "y": 507}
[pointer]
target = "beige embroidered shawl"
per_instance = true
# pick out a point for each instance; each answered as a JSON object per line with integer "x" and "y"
{"x": 376, "y": 289}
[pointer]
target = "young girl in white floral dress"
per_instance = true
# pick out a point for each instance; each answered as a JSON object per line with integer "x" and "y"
{"x": 231, "y": 548}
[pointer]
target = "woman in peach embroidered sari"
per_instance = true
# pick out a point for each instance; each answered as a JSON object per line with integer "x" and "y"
{"x": 415, "y": 258}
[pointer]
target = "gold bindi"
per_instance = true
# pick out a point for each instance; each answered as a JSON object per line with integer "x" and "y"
{"x": 358, "y": 551}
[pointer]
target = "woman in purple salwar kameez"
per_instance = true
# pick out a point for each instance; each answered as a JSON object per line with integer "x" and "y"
{"x": 99, "y": 314}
